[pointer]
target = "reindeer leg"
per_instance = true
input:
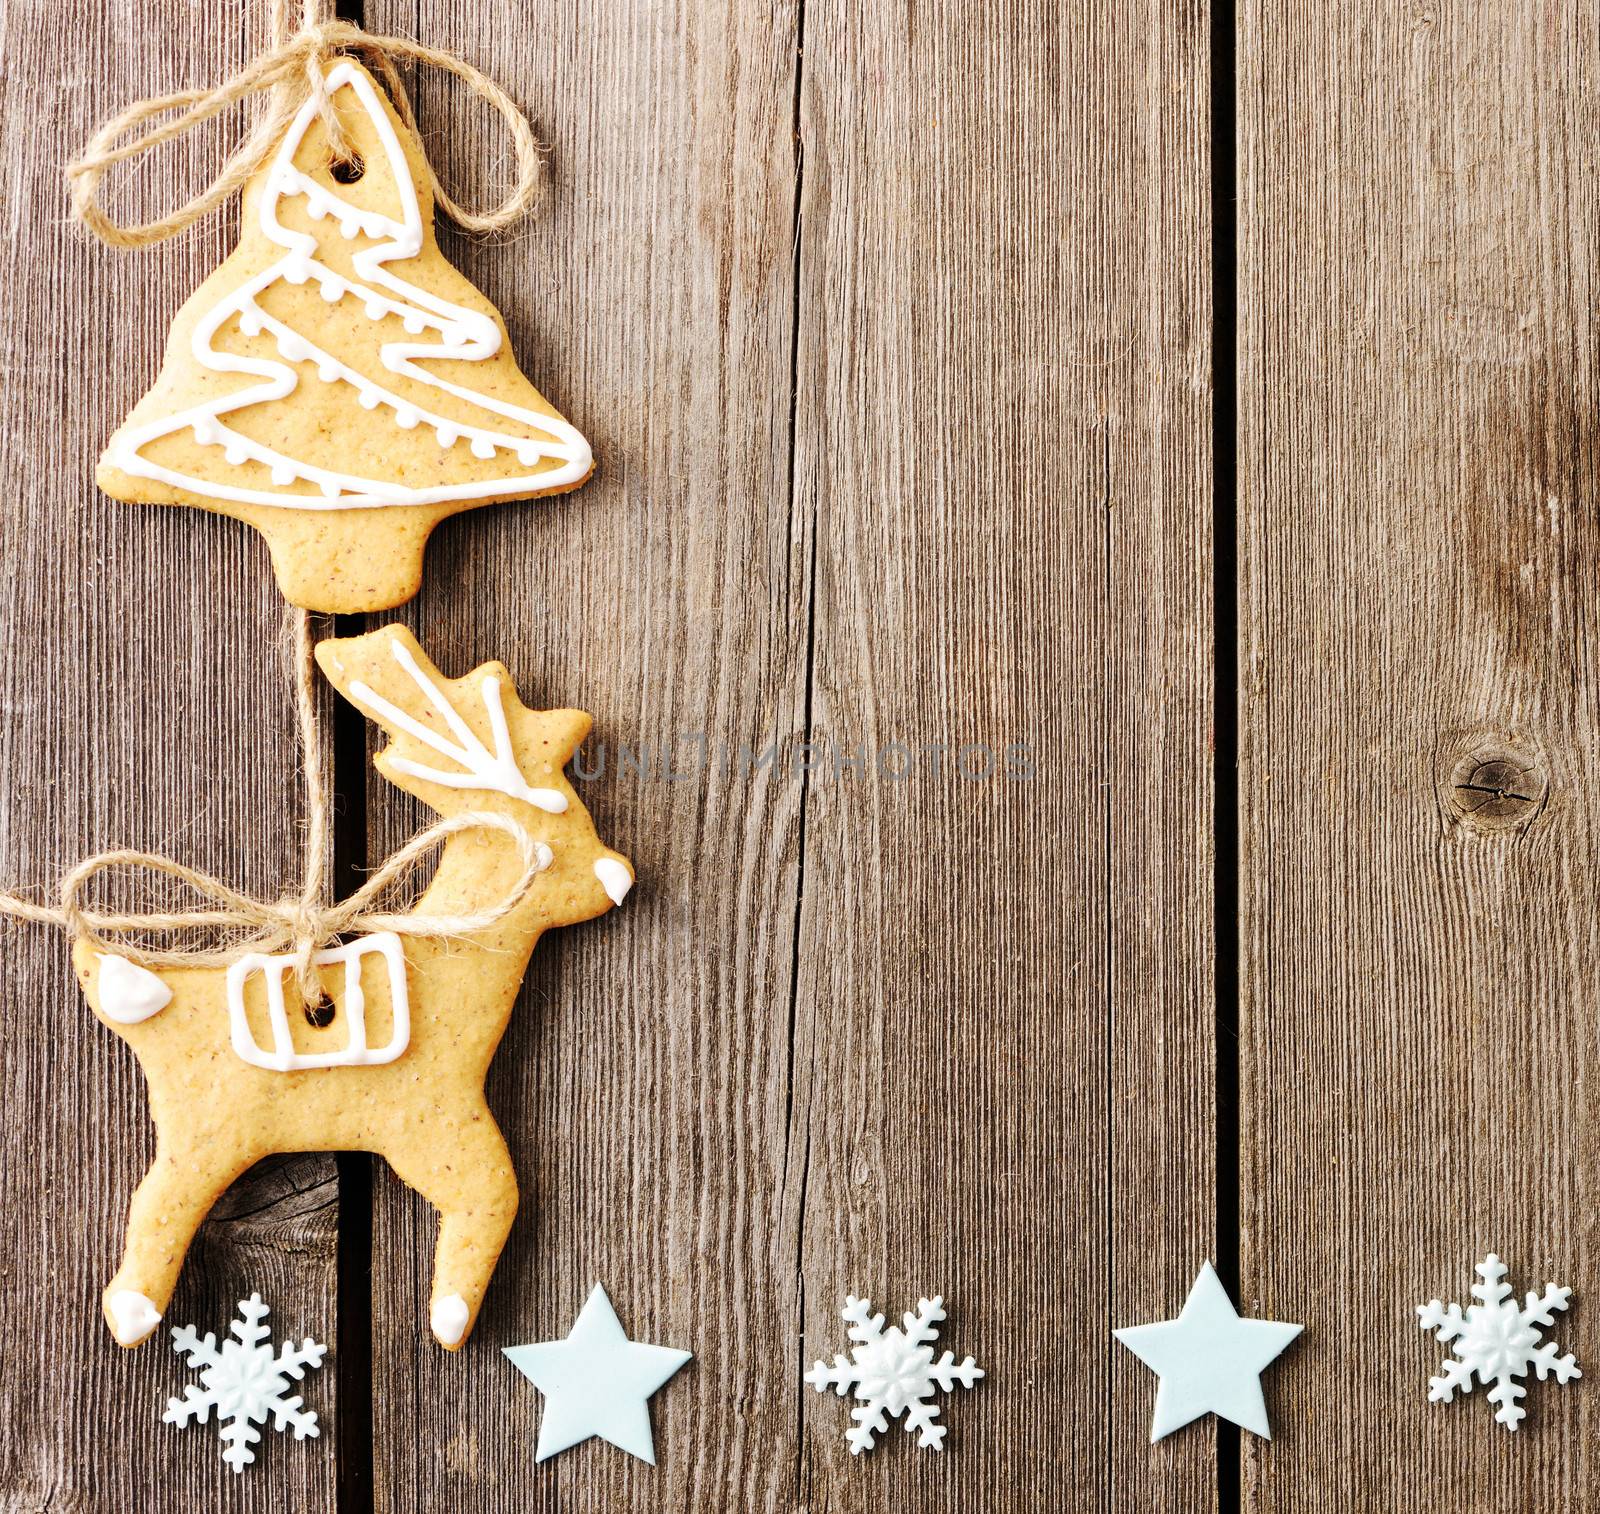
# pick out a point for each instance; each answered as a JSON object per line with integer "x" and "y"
{"x": 461, "y": 1167}
{"x": 167, "y": 1209}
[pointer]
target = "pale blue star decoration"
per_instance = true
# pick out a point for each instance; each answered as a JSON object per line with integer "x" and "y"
{"x": 1208, "y": 1359}
{"x": 596, "y": 1382}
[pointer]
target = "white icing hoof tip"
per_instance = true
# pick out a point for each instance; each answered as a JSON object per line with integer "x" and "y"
{"x": 614, "y": 878}
{"x": 449, "y": 1319}
{"x": 132, "y": 1316}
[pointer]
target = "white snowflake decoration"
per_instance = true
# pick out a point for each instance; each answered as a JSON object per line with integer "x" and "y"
{"x": 893, "y": 1372}
{"x": 245, "y": 1381}
{"x": 1497, "y": 1340}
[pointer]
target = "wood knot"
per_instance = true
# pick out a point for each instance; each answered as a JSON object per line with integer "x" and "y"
{"x": 1496, "y": 788}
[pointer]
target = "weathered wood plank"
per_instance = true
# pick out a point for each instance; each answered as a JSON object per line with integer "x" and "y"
{"x": 146, "y": 705}
{"x": 643, "y": 1084}
{"x": 1004, "y": 1063}
{"x": 976, "y": 956}
{"x": 1419, "y": 228}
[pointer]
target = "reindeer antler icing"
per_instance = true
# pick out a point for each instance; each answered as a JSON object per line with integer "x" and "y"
{"x": 470, "y": 734}
{"x": 479, "y": 767}
{"x": 463, "y": 741}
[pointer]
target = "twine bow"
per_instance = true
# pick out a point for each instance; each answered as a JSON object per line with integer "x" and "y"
{"x": 290, "y": 73}
{"x": 302, "y": 922}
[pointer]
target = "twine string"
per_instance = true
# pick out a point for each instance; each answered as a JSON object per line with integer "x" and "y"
{"x": 301, "y": 922}
{"x": 314, "y": 877}
{"x": 288, "y": 74}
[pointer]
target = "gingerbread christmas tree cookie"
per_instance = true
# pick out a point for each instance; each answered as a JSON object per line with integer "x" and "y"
{"x": 336, "y": 383}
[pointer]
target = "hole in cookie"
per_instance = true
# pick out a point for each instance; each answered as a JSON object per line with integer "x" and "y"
{"x": 347, "y": 170}
{"x": 320, "y": 1014}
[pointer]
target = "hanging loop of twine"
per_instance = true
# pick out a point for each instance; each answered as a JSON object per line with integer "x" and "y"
{"x": 301, "y": 922}
{"x": 289, "y": 73}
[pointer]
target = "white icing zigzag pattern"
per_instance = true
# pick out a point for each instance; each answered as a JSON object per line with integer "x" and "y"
{"x": 455, "y": 332}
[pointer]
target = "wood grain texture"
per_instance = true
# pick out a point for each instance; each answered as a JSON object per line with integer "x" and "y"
{"x": 890, "y": 333}
{"x": 1417, "y": 480}
{"x": 850, "y": 1032}
{"x": 1005, "y": 986}
{"x": 644, "y": 1082}
{"x": 145, "y": 705}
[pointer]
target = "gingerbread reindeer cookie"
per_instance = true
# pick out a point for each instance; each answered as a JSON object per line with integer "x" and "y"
{"x": 336, "y": 383}
{"x": 392, "y": 1059}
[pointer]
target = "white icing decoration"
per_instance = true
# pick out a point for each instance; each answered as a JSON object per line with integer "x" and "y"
{"x": 129, "y": 993}
{"x": 133, "y": 1316}
{"x": 496, "y": 770}
{"x": 462, "y": 334}
{"x": 356, "y": 1052}
{"x": 614, "y": 878}
{"x": 448, "y": 1316}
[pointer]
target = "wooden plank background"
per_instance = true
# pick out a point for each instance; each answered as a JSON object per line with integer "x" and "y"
{"x": 893, "y": 331}
{"x": 836, "y": 1039}
{"x": 146, "y": 704}
{"x": 1417, "y": 483}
